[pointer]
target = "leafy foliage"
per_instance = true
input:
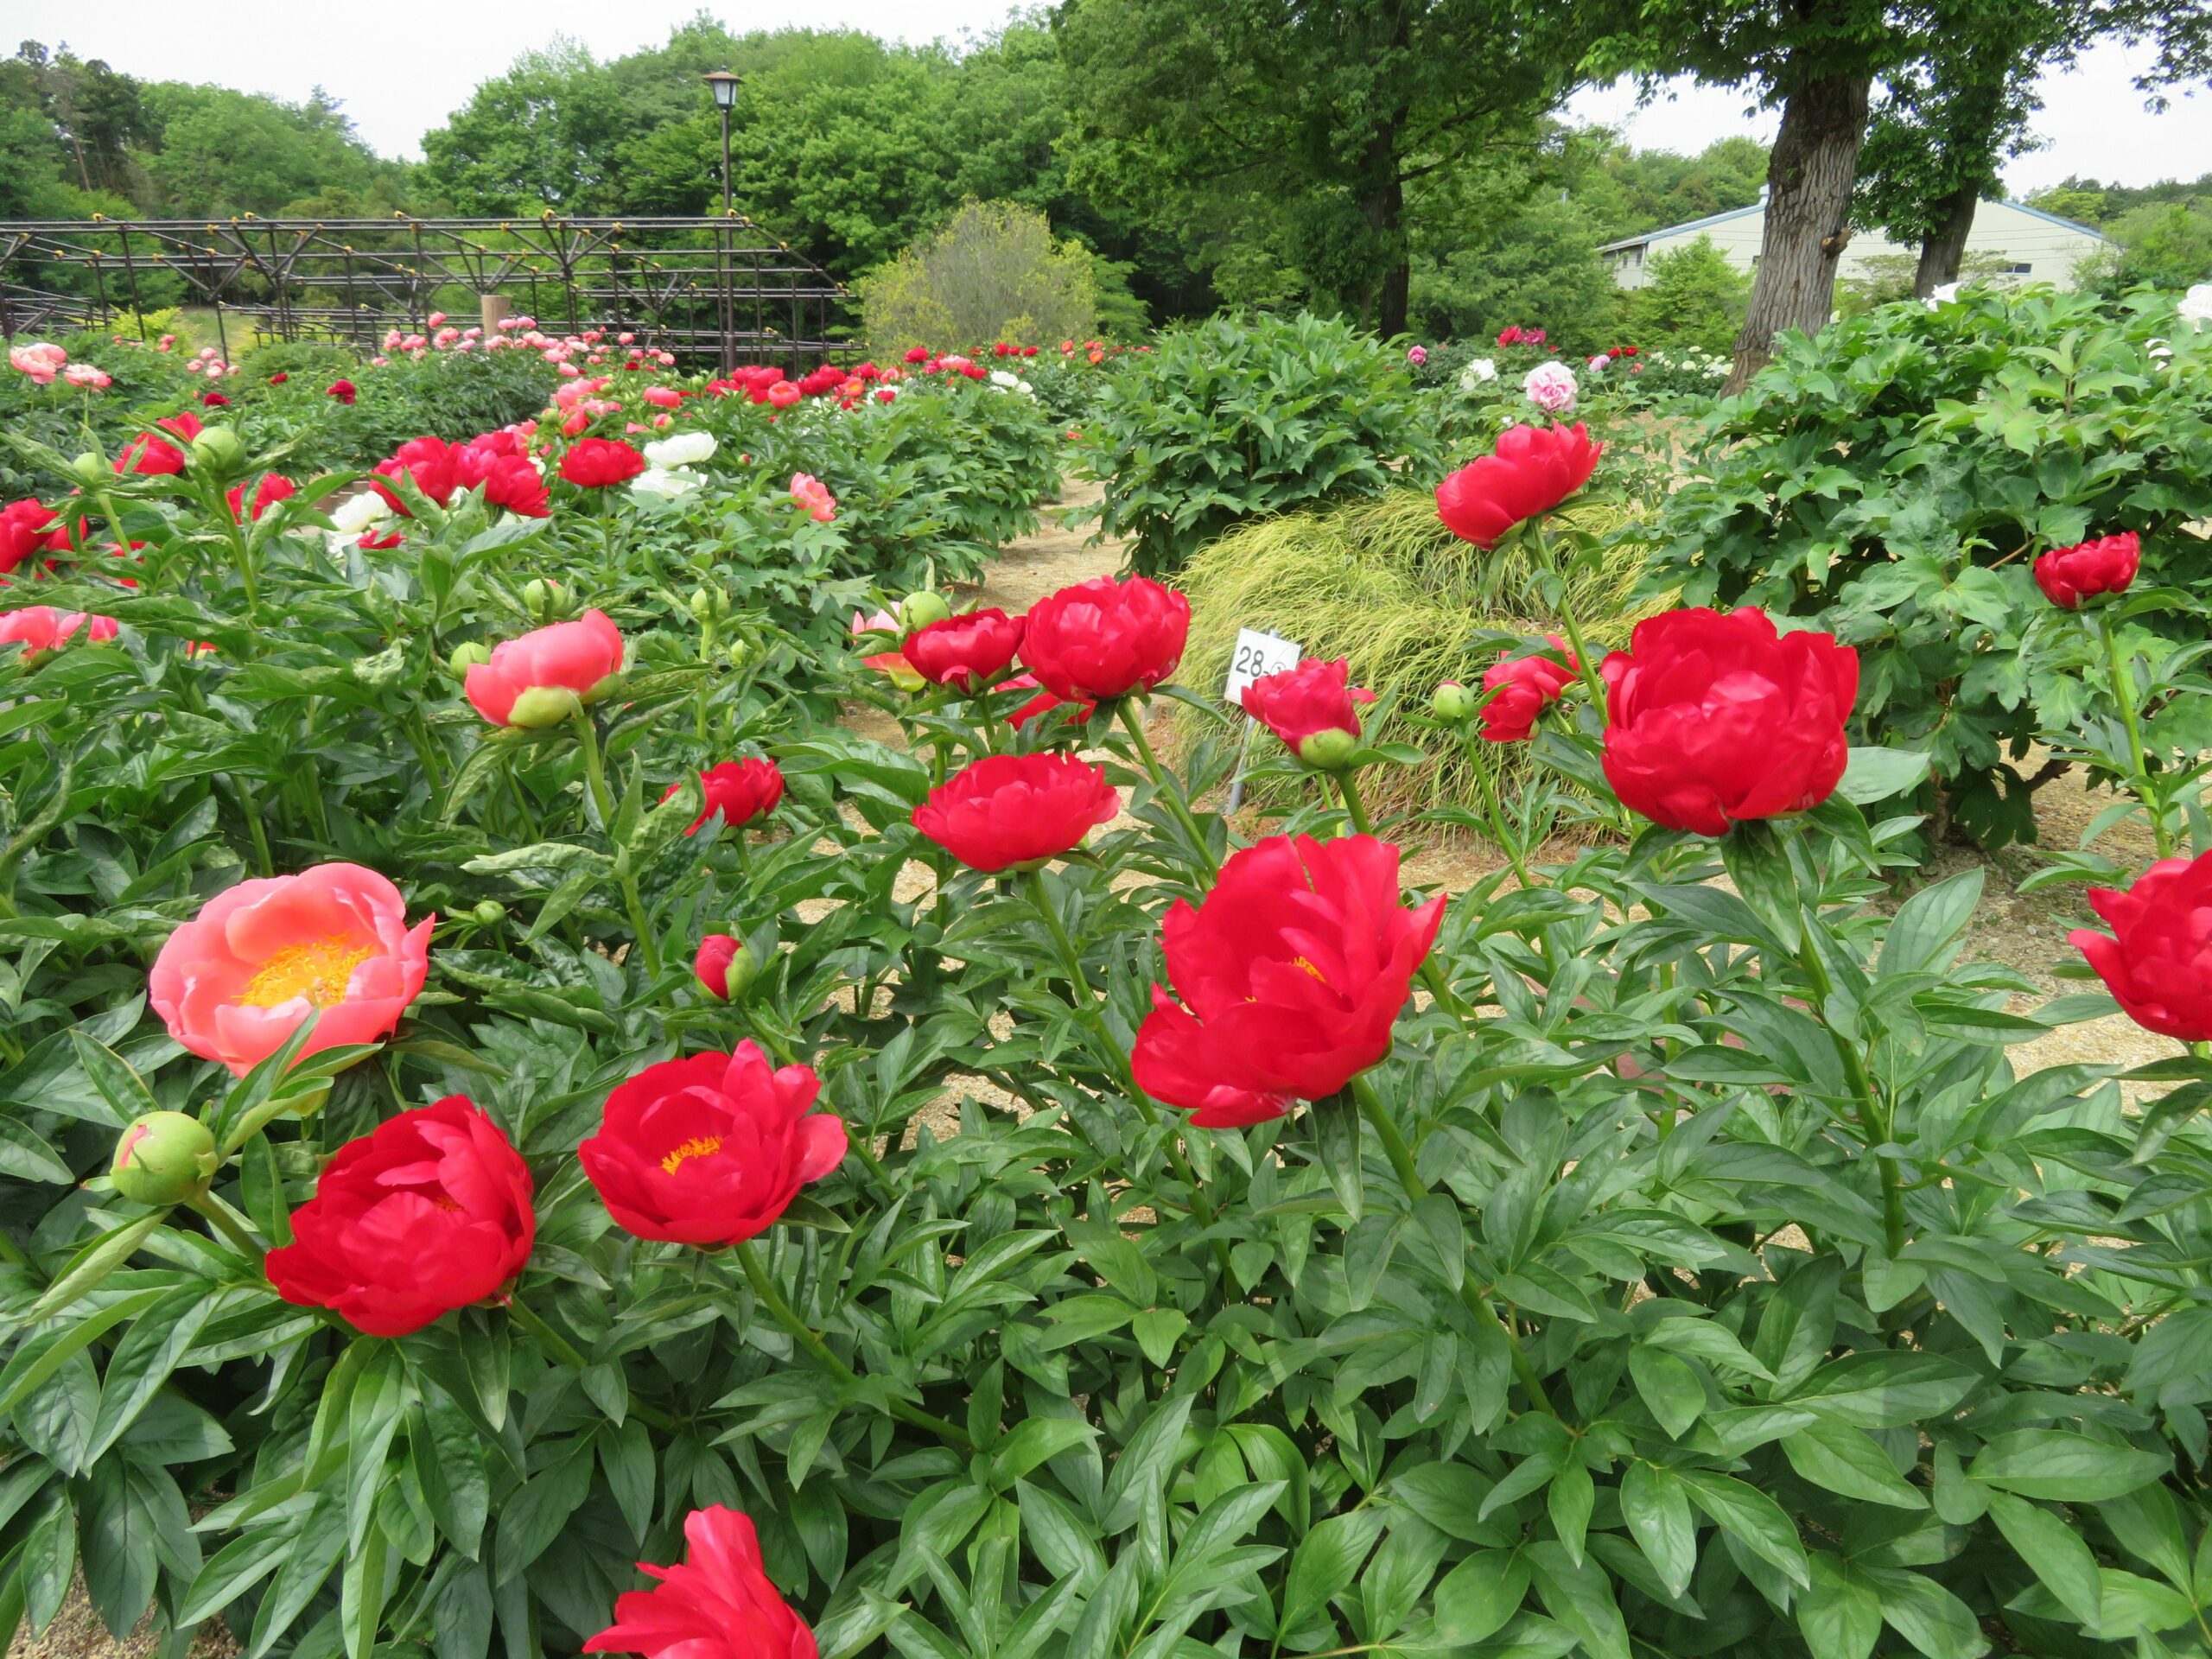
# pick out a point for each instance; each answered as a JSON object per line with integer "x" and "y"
{"x": 1693, "y": 298}
{"x": 992, "y": 273}
{"x": 1247, "y": 414}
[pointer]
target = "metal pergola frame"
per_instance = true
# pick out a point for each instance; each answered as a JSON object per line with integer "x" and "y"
{"x": 713, "y": 287}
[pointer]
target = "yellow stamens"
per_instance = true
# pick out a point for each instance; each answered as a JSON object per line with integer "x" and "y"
{"x": 318, "y": 970}
{"x": 699, "y": 1146}
{"x": 1300, "y": 961}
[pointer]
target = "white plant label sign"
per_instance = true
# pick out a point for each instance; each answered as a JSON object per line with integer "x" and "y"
{"x": 1257, "y": 655}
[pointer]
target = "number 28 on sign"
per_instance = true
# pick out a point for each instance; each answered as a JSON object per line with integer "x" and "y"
{"x": 1256, "y": 656}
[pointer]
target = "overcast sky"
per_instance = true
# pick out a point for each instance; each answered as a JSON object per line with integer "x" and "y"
{"x": 401, "y": 66}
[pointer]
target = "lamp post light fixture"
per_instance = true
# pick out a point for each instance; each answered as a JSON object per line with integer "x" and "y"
{"x": 724, "y": 85}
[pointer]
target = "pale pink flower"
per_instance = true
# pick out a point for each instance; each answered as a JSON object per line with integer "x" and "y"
{"x": 1551, "y": 387}
{"x": 41, "y": 362}
{"x": 436, "y": 318}
{"x": 91, "y": 376}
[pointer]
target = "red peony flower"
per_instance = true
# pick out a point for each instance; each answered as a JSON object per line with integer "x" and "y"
{"x": 150, "y": 456}
{"x": 428, "y": 461}
{"x": 1312, "y": 707}
{"x": 215, "y": 400}
{"x": 1715, "y": 719}
{"x": 427, "y": 1213}
{"x": 2069, "y": 574}
{"x": 1532, "y": 471}
{"x": 711, "y": 964}
{"x": 2158, "y": 960}
{"x": 1291, "y": 972}
{"x": 965, "y": 651}
{"x": 740, "y": 791}
{"x": 1105, "y": 639}
{"x": 499, "y": 463}
{"x": 918, "y": 354}
{"x": 1521, "y": 688}
{"x": 343, "y": 391}
{"x": 274, "y": 487}
{"x": 783, "y": 394}
{"x": 1006, "y": 811}
{"x": 26, "y": 527}
{"x": 548, "y": 674}
{"x": 595, "y": 463}
{"x": 1043, "y": 703}
{"x": 717, "y": 1605}
{"x": 185, "y": 424}
{"x": 40, "y": 628}
{"x": 278, "y": 378}
{"x": 708, "y": 1150}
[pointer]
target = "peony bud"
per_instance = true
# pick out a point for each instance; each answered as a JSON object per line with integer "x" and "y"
{"x": 725, "y": 969}
{"x": 217, "y": 450}
{"x": 544, "y": 599}
{"x": 741, "y": 651}
{"x": 90, "y": 467}
{"x": 489, "y": 914}
{"x": 923, "y": 608}
{"x": 540, "y": 706}
{"x": 165, "y": 1158}
{"x": 1452, "y": 701}
{"x": 709, "y": 604}
{"x": 468, "y": 656}
{"x": 1330, "y": 750}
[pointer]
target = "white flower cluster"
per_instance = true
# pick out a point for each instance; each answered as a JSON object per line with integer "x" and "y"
{"x": 1004, "y": 381}
{"x": 669, "y": 474}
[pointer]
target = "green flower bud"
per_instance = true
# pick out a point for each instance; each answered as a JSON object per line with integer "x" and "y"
{"x": 473, "y": 654}
{"x": 923, "y": 608}
{"x": 165, "y": 1158}
{"x": 1452, "y": 701}
{"x": 1329, "y": 751}
{"x": 90, "y": 468}
{"x": 217, "y": 450}
{"x": 709, "y": 604}
{"x": 544, "y": 599}
{"x": 741, "y": 651}
{"x": 543, "y": 705}
{"x": 490, "y": 914}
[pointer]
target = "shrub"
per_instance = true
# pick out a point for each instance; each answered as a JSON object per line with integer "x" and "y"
{"x": 1239, "y": 415}
{"x": 1894, "y": 478}
{"x": 1694, "y": 300}
{"x": 992, "y": 273}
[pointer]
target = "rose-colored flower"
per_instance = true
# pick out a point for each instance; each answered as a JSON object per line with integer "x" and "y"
{"x": 428, "y": 1212}
{"x": 1043, "y": 703}
{"x": 151, "y": 456}
{"x": 719, "y": 1604}
{"x": 1009, "y": 810}
{"x": 597, "y": 463}
{"x": 428, "y": 461}
{"x": 343, "y": 391}
{"x": 783, "y": 394}
{"x": 965, "y": 651}
{"x": 740, "y": 791}
{"x": 1521, "y": 688}
{"x": 1290, "y": 973}
{"x": 710, "y": 1150}
{"x": 184, "y": 424}
{"x": 41, "y": 362}
{"x": 548, "y": 674}
{"x": 1532, "y": 471}
{"x": 711, "y": 964}
{"x": 2069, "y": 574}
{"x": 235, "y": 982}
{"x": 1313, "y": 707}
{"x": 1105, "y": 638}
{"x": 1714, "y": 719}
{"x": 2157, "y": 962}
{"x": 663, "y": 397}
{"x": 499, "y": 464}
{"x": 274, "y": 487}
{"x": 812, "y": 496}
{"x": 90, "y": 376}
{"x": 42, "y": 628}
{"x": 26, "y": 527}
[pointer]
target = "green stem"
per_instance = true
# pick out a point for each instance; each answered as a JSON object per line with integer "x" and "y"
{"x": 632, "y": 902}
{"x": 764, "y": 1289}
{"x": 250, "y": 811}
{"x": 1134, "y": 723}
{"x": 594, "y": 770}
{"x": 227, "y": 1222}
{"x": 569, "y": 1355}
{"x": 1876, "y": 1121}
{"x": 1354, "y": 808}
{"x": 1508, "y": 844}
{"x": 706, "y": 662}
{"x": 1586, "y": 670}
{"x": 2123, "y": 691}
{"x": 1402, "y": 1160}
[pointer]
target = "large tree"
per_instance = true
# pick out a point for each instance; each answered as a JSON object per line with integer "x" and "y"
{"x": 1303, "y": 123}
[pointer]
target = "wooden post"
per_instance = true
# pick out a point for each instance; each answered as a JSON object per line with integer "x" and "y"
{"x": 495, "y": 306}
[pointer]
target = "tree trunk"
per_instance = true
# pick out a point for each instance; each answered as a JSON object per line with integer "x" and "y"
{"x": 1814, "y": 164}
{"x": 1940, "y": 253}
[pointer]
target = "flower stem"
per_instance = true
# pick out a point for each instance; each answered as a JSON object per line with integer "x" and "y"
{"x": 594, "y": 770}
{"x": 764, "y": 1290}
{"x": 2123, "y": 691}
{"x": 1167, "y": 792}
{"x": 569, "y": 1355}
{"x": 1586, "y": 670}
{"x": 227, "y": 1222}
{"x": 1508, "y": 844}
{"x": 633, "y": 901}
{"x": 1877, "y": 1122}
{"x": 1477, "y": 1304}
{"x": 1354, "y": 808}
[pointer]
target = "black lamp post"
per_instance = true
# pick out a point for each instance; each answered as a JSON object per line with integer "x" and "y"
{"x": 724, "y": 85}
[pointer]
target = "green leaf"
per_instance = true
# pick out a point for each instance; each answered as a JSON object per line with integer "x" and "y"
{"x": 1036, "y": 1440}
{"x": 1670, "y": 1387}
{"x": 1840, "y": 1615}
{"x": 1845, "y": 1460}
{"x": 1157, "y": 1330}
{"x": 2054, "y": 1552}
{"x": 1325, "y": 1561}
{"x": 1874, "y": 775}
{"x": 1751, "y": 1518}
{"x": 1657, "y": 1511}
{"x": 1926, "y": 1615}
{"x": 1476, "y": 1598}
{"x": 124, "y": 1090}
{"x": 2065, "y": 1467}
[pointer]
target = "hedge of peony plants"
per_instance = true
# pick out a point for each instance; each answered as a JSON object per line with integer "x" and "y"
{"x": 499, "y": 1089}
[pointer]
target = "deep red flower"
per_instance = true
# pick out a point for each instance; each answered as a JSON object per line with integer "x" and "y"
{"x": 1533, "y": 469}
{"x": 1313, "y": 707}
{"x": 2157, "y": 962}
{"x": 711, "y": 965}
{"x": 595, "y": 463}
{"x": 215, "y": 400}
{"x": 428, "y": 461}
{"x": 278, "y": 378}
{"x": 26, "y": 527}
{"x": 1714, "y": 719}
{"x": 185, "y": 424}
{"x": 1043, "y": 703}
{"x": 1521, "y": 688}
{"x": 1105, "y": 638}
{"x": 719, "y": 1604}
{"x": 2069, "y": 574}
{"x": 428, "y": 1212}
{"x": 498, "y": 462}
{"x": 740, "y": 791}
{"x": 343, "y": 391}
{"x": 151, "y": 456}
{"x": 710, "y": 1150}
{"x": 965, "y": 651}
{"x": 274, "y": 487}
{"x": 1290, "y": 973}
{"x": 918, "y": 354}
{"x": 1009, "y": 810}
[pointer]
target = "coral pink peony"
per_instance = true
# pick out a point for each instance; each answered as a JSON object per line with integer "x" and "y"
{"x": 548, "y": 674}
{"x": 1521, "y": 688}
{"x": 42, "y": 628}
{"x": 1009, "y": 810}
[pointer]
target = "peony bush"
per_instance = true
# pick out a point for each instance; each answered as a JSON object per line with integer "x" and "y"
{"x": 501, "y": 1088}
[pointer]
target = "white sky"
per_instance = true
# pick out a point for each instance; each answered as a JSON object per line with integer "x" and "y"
{"x": 401, "y": 66}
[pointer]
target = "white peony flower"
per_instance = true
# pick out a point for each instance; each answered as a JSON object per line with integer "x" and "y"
{"x": 1942, "y": 294}
{"x": 1480, "y": 370}
{"x": 660, "y": 481}
{"x": 1551, "y": 387}
{"x": 2196, "y": 304}
{"x": 356, "y": 512}
{"x": 682, "y": 450}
